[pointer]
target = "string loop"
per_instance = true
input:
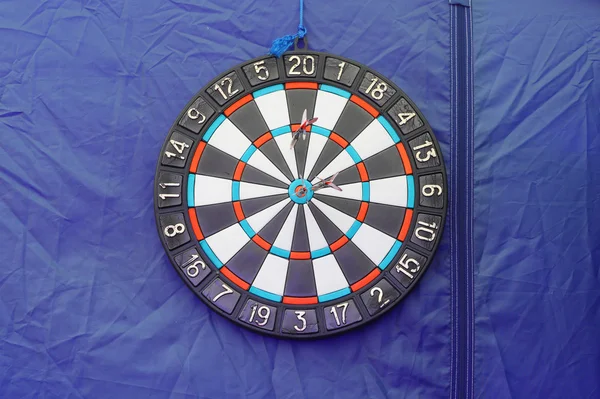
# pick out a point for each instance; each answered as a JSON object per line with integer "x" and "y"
{"x": 282, "y": 44}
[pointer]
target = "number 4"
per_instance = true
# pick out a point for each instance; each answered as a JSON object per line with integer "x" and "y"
{"x": 405, "y": 117}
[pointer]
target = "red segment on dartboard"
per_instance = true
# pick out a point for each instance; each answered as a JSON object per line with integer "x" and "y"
{"x": 263, "y": 139}
{"x": 365, "y": 105}
{"x": 301, "y": 300}
{"x": 195, "y": 225}
{"x": 366, "y": 280}
{"x": 197, "y": 155}
{"x": 405, "y": 224}
{"x": 301, "y": 85}
{"x": 234, "y": 279}
{"x": 404, "y": 156}
{"x": 238, "y": 104}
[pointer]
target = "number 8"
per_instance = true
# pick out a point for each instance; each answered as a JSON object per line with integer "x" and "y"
{"x": 173, "y": 230}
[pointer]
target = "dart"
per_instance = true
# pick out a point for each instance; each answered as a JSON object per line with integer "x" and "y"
{"x": 328, "y": 182}
{"x": 302, "y": 129}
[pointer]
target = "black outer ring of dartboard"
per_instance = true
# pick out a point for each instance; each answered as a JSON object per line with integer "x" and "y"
{"x": 319, "y": 307}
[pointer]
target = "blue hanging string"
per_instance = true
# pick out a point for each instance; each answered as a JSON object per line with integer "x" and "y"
{"x": 282, "y": 44}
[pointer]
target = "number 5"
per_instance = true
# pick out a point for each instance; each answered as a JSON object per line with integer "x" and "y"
{"x": 260, "y": 67}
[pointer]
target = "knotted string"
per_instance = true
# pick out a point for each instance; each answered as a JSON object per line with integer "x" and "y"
{"x": 282, "y": 44}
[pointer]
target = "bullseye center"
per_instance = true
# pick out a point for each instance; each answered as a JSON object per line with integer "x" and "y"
{"x": 300, "y": 191}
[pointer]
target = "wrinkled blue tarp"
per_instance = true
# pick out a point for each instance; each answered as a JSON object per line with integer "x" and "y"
{"x": 90, "y": 306}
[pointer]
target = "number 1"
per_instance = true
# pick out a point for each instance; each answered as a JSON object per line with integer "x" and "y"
{"x": 341, "y": 65}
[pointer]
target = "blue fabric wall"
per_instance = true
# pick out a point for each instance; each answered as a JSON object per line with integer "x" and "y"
{"x": 90, "y": 306}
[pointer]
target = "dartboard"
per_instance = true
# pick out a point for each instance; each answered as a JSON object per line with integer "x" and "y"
{"x": 300, "y": 196}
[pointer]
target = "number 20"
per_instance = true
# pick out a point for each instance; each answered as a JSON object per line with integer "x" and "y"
{"x": 307, "y": 67}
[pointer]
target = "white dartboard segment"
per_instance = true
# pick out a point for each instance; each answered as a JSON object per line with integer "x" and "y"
{"x": 349, "y": 191}
{"x": 219, "y": 192}
{"x": 260, "y": 219}
{"x": 262, "y": 163}
{"x": 328, "y": 108}
{"x": 274, "y": 109}
{"x": 272, "y": 274}
{"x": 328, "y": 275}
{"x": 283, "y": 142}
{"x": 315, "y": 236}
{"x": 339, "y": 163}
{"x": 372, "y": 140}
{"x": 251, "y": 190}
{"x": 228, "y": 242}
{"x": 286, "y": 234}
{"x": 315, "y": 146}
{"x": 373, "y": 243}
{"x": 340, "y": 219}
{"x": 389, "y": 191}
{"x": 229, "y": 139}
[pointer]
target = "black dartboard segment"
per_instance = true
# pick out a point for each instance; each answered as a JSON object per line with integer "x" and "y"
{"x": 248, "y": 222}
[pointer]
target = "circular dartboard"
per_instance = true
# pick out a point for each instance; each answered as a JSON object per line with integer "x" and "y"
{"x": 300, "y": 196}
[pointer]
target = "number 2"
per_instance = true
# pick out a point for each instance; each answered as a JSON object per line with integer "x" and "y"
{"x": 379, "y": 292}
{"x": 229, "y": 92}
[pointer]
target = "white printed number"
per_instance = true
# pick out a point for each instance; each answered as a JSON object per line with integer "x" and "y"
{"x": 229, "y": 83}
{"x": 173, "y": 229}
{"x": 194, "y": 114}
{"x": 179, "y": 146}
{"x": 430, "y": 189}
{"x": 308, "y": 65}
{"x": 227, "y": 291}
{"x": 263, "y": 313}
{"x": 261, "y": 70}
{"x": 300, "y": 315}
{"x": 426, "y": 231}
{"x": 379, "y": 292}
{"x": 430, "y": 154}
{"x": 376, "y": 89}
{"x": 334, "y": 312}
{"x": 341, "y": 65}
{"x": 405, "y": 117}
{"x": 409, "y": 266}
{"x": 193, "y": 269}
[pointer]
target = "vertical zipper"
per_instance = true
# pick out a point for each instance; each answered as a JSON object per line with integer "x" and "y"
{"x": 461, "y": 75}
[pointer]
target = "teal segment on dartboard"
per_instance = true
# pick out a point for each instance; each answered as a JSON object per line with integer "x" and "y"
{"x": 353, "y": 154}
{"x": 320, "y": 130}
{"x": 246, "y": 226}
{"x": 213, "y": 127}
{"x": 353, "y": 229}
{"x": 246, "y": 156}
{"x": 335, "y": 90}
{"x": 190, "y": 189}
{"x": 211, "y": 255}
{"x": 390, "y": 256}
{"x": 280, "y": 252}
{"x": 410, "y": 183}
{"x": 366, "y": 191}
{"x": 235, "y": 190}
{"x": 389, "y": 129}
{"x": 265, "y": 294}
{"x": 280, "y": 130}
{"x": 292, "y": 191}
{"x": 267, "y": 90}
{"x": 320, "y": 252}
{"x": 334, "y": 295}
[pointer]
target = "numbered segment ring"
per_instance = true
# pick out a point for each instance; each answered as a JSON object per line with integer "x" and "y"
{"x": 294, "y": 227}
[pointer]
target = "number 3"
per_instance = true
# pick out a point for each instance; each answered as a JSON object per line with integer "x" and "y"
{"x": 300, "y": 315}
